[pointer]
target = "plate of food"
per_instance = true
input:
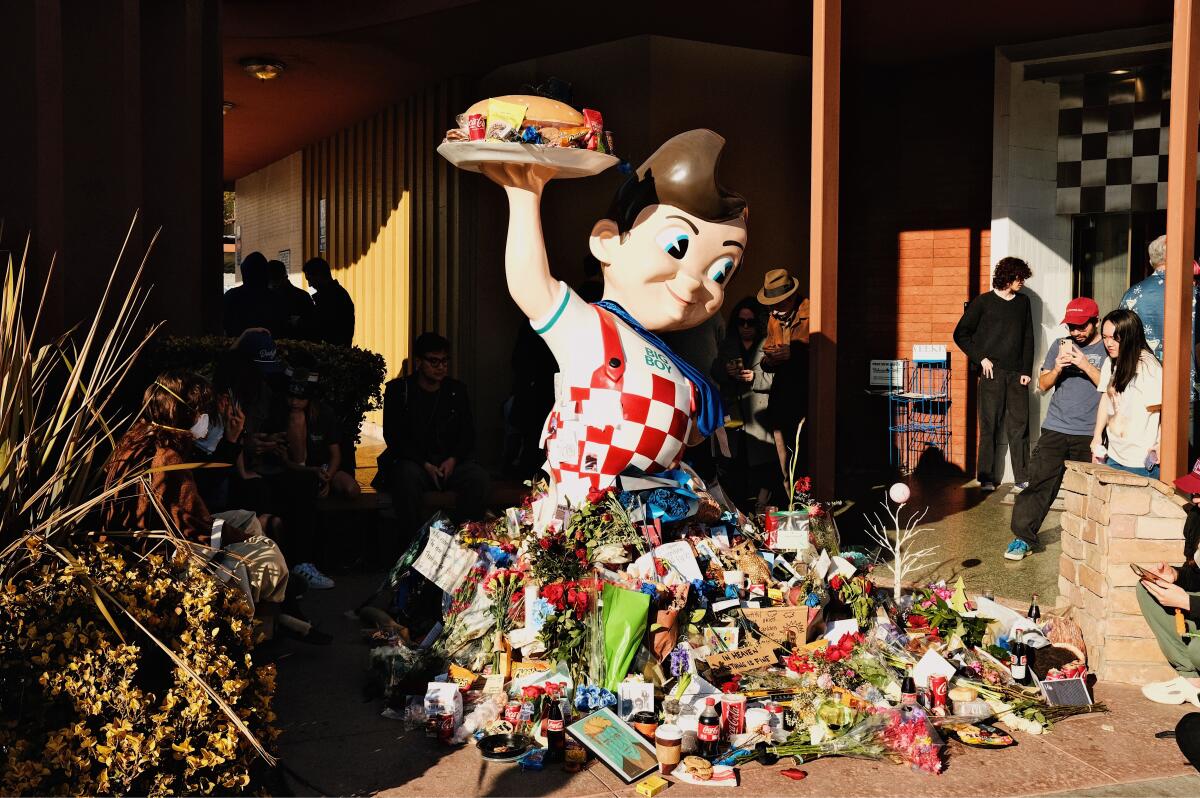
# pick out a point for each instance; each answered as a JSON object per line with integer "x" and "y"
{"x": 504, "y": 747}
{"x": 523, "y": 128}
{"x": 980, "y": 735}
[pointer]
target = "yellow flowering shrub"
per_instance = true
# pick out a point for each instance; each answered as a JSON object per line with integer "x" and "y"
{"x": 99, "y": 716}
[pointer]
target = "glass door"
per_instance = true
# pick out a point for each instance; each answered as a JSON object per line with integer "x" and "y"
{"x": 1100, "y": 255}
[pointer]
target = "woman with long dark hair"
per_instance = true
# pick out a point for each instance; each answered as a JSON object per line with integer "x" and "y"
{"x": 746, "y": 390}
{"x": 1131, "y": 381}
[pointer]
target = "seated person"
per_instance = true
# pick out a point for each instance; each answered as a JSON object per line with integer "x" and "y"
{"x": 1167, "y": 589}
{"x": 313, "y": 438}
{"x": 253, "y": 374}
{"x": 164, "y": 436}
{"x": 429, "y": 433}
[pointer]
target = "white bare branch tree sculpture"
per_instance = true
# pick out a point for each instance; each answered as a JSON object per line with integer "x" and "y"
{"x": 905, "y": 561}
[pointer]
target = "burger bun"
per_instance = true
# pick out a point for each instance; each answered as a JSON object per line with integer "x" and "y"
{"x": 540, "y": 111}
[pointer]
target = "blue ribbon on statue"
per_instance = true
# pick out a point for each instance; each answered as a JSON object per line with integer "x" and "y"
{"x": 710, "y": 413}
{"x": 666, "y": 504}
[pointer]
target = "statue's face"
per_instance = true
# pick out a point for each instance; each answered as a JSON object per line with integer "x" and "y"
{"x": 671, "y": 269}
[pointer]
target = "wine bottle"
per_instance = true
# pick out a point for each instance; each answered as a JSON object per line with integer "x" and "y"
{"x": 1019, "y": 661}
{"x": 708, "y": 731}
{"x": 1035, "y": 613}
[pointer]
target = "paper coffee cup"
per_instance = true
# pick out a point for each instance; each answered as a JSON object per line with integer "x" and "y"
{"x": 668, "y": 746}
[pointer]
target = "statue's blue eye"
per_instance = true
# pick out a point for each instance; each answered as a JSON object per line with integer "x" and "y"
{"x": 674, "y": 241}
{"x": 720, "y": 270}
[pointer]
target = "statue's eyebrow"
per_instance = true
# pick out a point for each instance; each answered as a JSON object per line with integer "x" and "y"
{"x": 736, "y": 244}
{"x": 688, "y": 222}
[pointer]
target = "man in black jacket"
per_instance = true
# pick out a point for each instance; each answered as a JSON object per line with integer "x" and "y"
{"x": 430, "y": 435}
{"x": 996, "y": 333}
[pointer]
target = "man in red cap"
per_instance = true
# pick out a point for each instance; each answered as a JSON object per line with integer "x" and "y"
{"x": 1072, "y": 370}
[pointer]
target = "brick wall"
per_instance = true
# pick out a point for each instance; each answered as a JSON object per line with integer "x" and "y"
{"x": 915, "y": 241}
{"x": 269, "y": 211}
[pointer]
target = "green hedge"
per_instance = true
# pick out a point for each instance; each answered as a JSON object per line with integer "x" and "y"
{"x": 351, "y": 378}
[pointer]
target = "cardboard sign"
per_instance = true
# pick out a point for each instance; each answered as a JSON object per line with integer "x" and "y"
{"x": 776, "y": 623}
{"x": 444, "y": 562}
{"x": 743, "y": 660}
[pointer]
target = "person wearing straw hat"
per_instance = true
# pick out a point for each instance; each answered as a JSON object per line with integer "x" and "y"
{"x": 785, "y": 354}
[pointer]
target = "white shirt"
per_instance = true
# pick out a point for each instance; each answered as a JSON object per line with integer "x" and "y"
{"x": 593, "y": 433}
{"x": 1132, "y": 428}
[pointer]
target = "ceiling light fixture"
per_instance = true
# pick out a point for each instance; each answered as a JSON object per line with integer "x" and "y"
{"x": 226, "y": 107}
{"x": 1119, "y": 72}
{"x": 262, "y": 68}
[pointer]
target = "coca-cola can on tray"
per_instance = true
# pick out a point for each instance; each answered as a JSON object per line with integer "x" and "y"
{"x": 733, "y": 714}
{"x": 476, "y": 127}
{"x": 938, "y": 686}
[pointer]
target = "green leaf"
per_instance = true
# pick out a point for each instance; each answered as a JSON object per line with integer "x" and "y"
{"x": 698, "y": 615}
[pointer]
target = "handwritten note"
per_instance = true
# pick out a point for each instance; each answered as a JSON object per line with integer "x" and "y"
{"x": 777, "y": 622}
{"x": 745, "y": 659}
{"x": 444, "y": 562}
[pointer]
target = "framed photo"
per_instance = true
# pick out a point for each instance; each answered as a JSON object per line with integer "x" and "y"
{"x": 616, "y": 744}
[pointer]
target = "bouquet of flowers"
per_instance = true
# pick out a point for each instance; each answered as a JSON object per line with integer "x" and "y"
{"x": 565, "y": 632}
{"x": 886, "y": 734}
{"x": 504, "y": 588}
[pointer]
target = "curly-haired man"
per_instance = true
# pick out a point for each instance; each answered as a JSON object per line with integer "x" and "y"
{"x": 996, "y": 333}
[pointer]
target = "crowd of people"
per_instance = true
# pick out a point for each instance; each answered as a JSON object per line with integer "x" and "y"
{"x": 1104, "y": 379}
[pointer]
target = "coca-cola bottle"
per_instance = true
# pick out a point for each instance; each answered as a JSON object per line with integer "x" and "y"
{"x": 908, "y": 689}
{"x": 708, "y": 731}
{"x": 556, "y": 734}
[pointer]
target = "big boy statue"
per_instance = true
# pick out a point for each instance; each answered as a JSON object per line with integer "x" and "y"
{"x": 671, "y": 241}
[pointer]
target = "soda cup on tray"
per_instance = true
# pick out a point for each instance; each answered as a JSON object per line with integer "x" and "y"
{"x": 476, "y": 127}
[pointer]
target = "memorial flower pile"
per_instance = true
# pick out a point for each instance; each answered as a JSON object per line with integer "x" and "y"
{"x": 627, "y": 605}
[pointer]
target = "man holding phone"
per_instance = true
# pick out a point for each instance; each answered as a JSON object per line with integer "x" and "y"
{"x": 1072, "y": 370}
{"x": 1169, "y": 597}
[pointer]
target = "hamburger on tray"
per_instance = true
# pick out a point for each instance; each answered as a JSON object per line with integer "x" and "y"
{"x": 520, "y": 128}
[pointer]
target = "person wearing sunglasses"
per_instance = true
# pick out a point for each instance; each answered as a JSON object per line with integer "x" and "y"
{"x": 746, "y": 390}
{"x": 1071, "y": 370}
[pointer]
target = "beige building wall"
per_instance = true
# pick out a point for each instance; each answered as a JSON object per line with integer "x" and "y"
{"x": 268, "y": 214}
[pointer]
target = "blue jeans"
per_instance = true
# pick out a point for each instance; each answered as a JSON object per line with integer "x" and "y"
{"x": 1139, "y": 470}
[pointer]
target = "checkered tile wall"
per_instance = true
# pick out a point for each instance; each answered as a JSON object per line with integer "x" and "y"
{"x": 1112, "y": 142}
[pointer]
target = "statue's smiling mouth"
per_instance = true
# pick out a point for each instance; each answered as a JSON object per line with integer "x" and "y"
{"x": 678, "y": 298}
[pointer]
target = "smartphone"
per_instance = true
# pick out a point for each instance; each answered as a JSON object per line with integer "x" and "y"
{"x": 1142, "y": 573}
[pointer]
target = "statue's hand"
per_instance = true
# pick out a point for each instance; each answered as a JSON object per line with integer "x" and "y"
{"x": 529, "y": 177}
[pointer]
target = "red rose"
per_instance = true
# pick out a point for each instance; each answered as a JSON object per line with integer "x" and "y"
{"x": 578, "y": 599}
{"x": 803, "y": 485}
{"x": 544, "y": 543}
{"x": 918, "y": 621}
{"x": 581, "y": 553}
{"x": 660, "y": 567}
{"x": 836, "y": 582}
{"x": 554, "y": 593}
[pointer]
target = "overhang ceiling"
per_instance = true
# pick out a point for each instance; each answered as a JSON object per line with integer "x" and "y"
{"x": 347, "y": 60}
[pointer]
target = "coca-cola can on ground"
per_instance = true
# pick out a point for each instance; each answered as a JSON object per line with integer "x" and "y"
{"x": 938, "y": 686}
{"x": 512, "y": 712}
{"x": 733, "y": 714}
{"x": 445, "y": 727}
{"x": 476, "y": 127}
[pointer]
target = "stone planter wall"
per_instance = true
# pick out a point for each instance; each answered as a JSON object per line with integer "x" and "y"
{"x": 1113, "y": 518}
